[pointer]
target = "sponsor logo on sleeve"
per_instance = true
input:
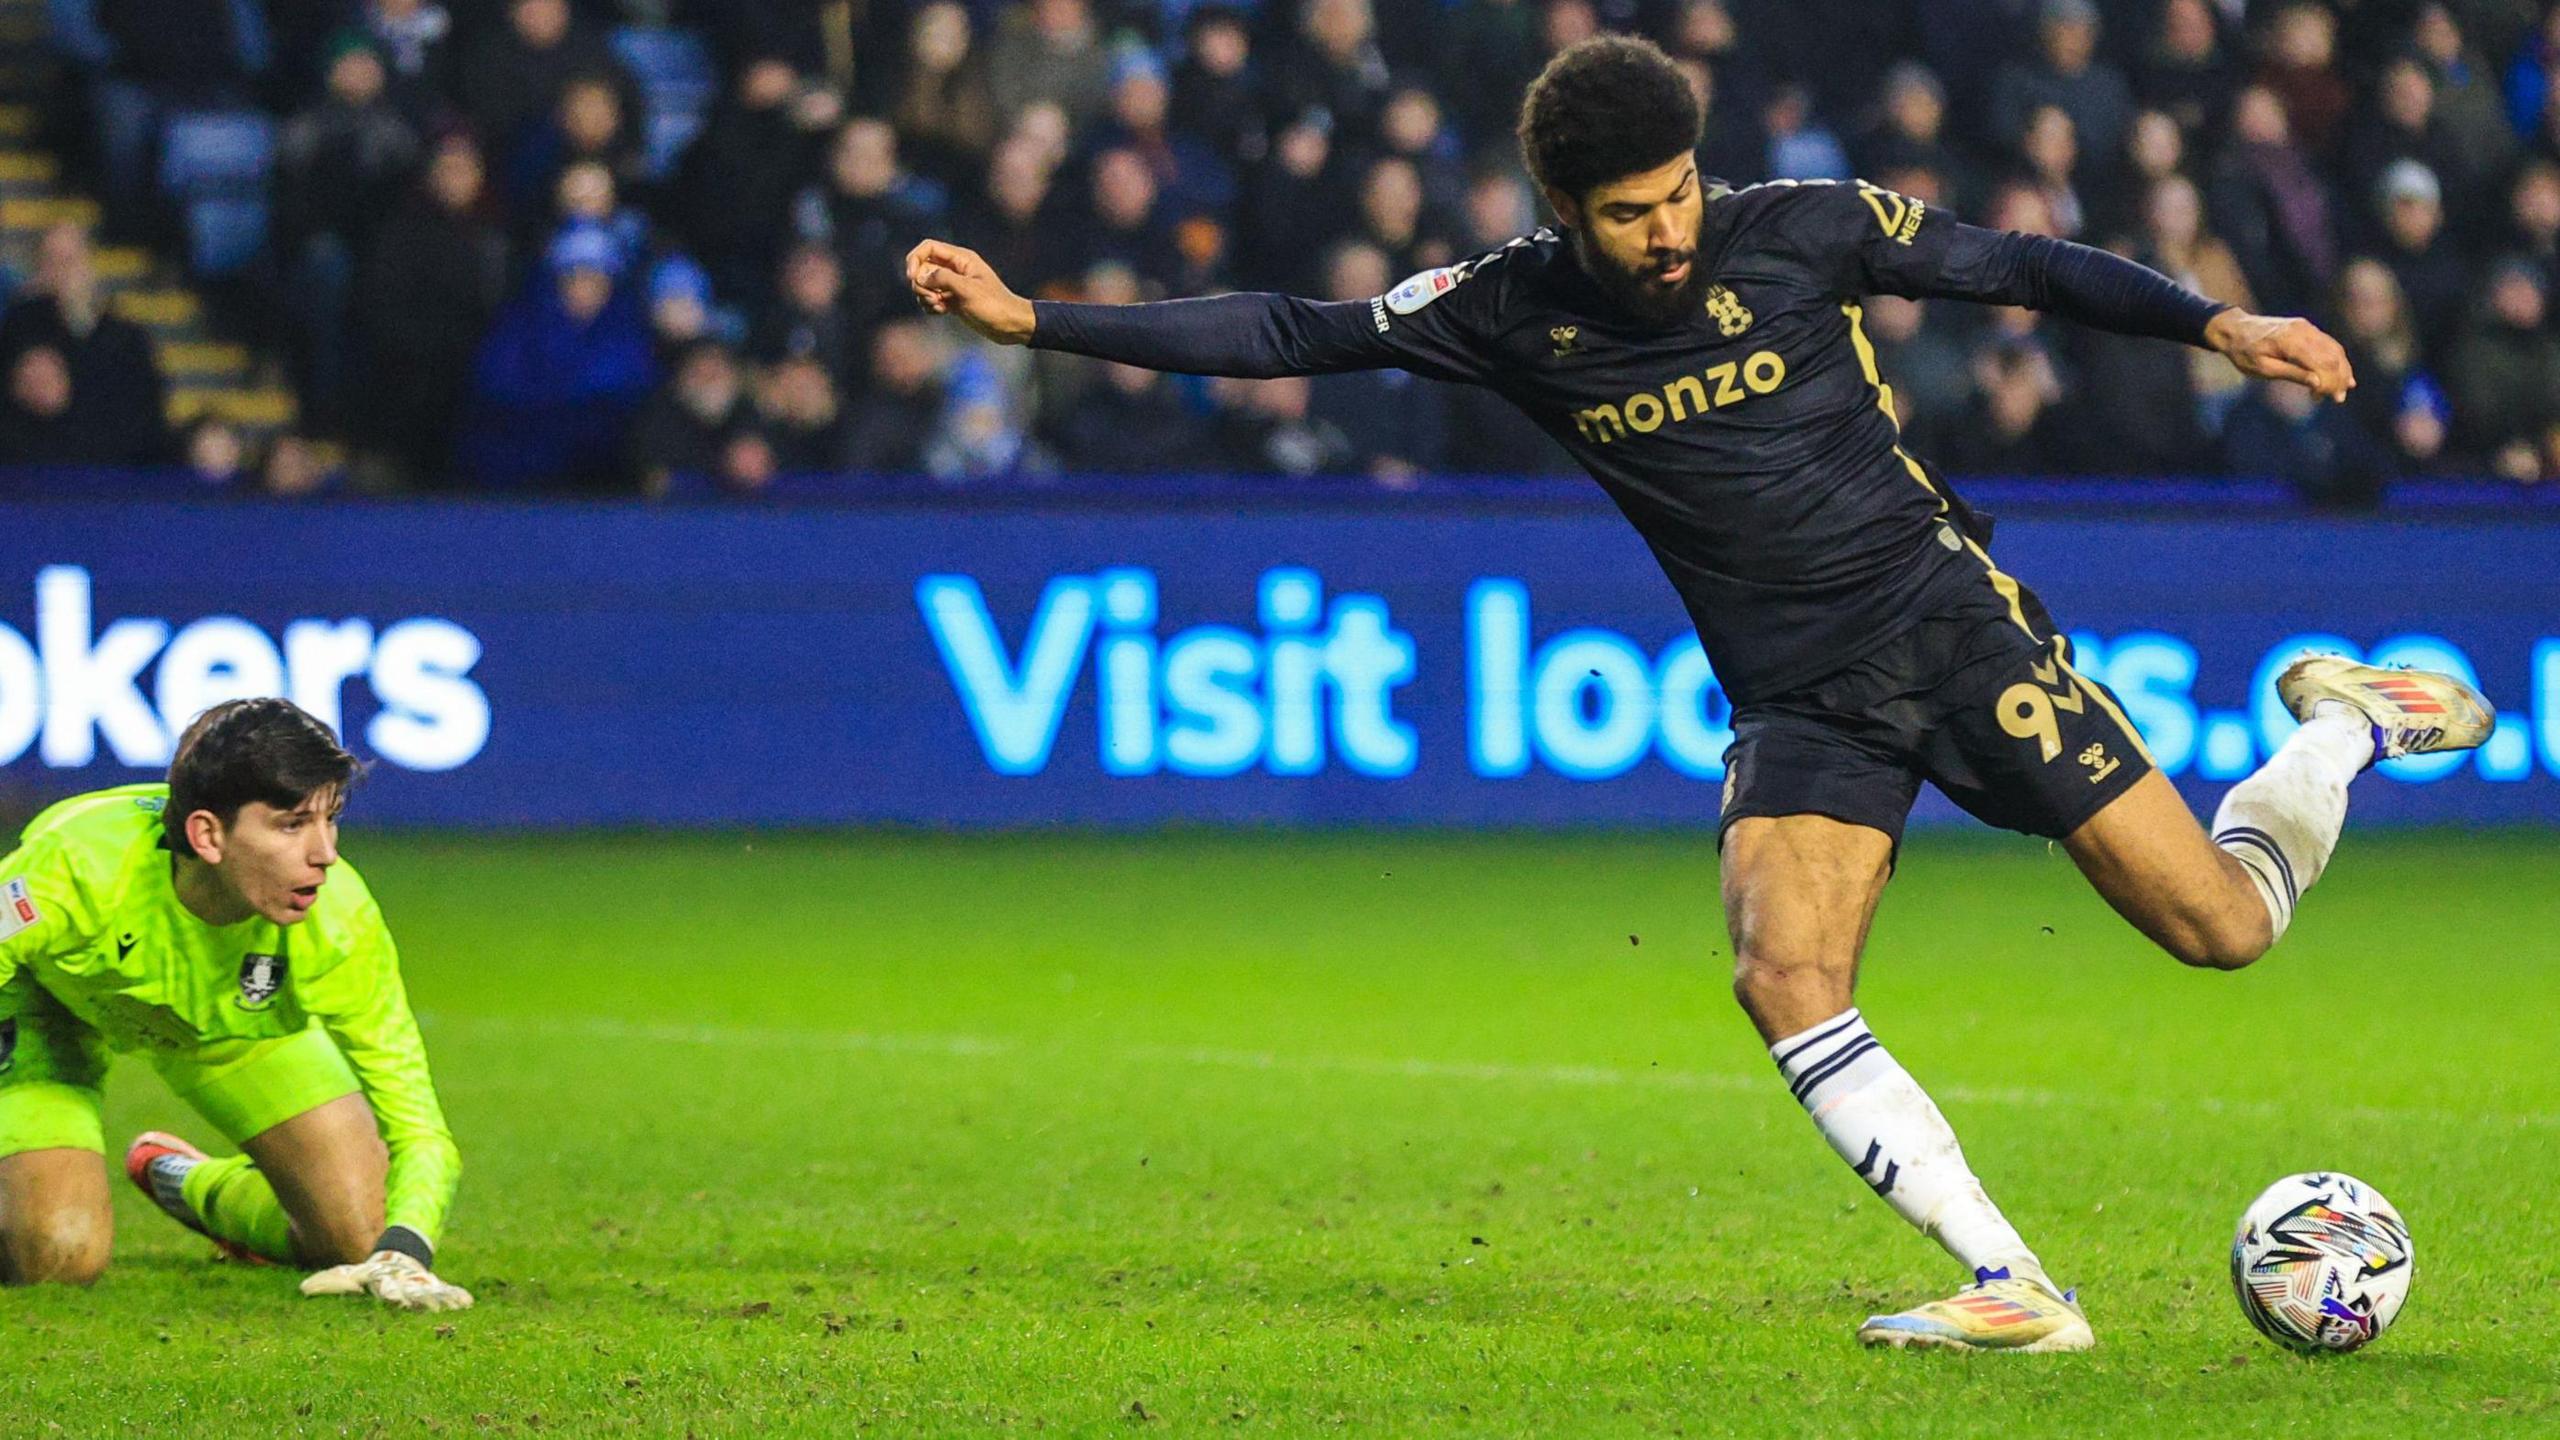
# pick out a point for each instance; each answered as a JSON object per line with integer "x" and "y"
{"x": 1424, "y": 288}
{"x": 17, "y": 907}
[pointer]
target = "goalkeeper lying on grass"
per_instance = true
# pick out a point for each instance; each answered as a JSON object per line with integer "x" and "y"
{"x": 210, "y": 922}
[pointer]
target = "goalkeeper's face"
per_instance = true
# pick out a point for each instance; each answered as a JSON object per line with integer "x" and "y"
{"x": 273, "y": 859}
{"x": 1637, "y": 237}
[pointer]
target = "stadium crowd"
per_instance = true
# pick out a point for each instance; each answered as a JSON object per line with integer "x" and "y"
{"x": 623, "y": 245}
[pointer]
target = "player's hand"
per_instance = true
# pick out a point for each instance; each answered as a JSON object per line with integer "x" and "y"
{"x": 395, "y": 1279}
{"x": 2283, "y": 347}
{"x": 954, "y": 280}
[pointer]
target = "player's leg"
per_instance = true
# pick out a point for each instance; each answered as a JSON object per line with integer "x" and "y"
{"x": 1815, "y": 798}
{"x": 55, "y": 1223}
{"x": 2222, "y": 900}
{"x": 308, "y": 1187}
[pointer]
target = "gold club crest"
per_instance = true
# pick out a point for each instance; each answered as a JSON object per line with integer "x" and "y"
{"x": 1732, "y": 317}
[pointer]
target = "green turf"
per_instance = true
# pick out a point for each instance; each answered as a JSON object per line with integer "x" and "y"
{"x": 1378, "y": 1135}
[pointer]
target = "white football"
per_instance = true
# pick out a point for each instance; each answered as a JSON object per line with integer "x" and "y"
{"x": 2321, "y": 1263}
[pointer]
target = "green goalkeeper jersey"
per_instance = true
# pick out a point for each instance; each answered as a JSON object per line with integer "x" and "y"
{"x": 87, "y": 906}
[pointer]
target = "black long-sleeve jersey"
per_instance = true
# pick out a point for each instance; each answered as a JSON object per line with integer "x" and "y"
{"x": 1754, "y": 446}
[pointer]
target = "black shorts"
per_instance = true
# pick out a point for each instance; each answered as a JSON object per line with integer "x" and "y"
{"x": 1979, "y": 699}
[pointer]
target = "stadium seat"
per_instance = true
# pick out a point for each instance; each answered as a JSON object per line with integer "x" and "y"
{"x": 214, "y": 166}
{"x": 678, "y": 83}
{"x": 224, "y": 233}
{"x": 210, "y": 151}
{"x": 77, "y": 33}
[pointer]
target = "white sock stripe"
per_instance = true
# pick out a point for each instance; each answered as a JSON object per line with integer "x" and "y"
{"x": 1787, "y": 1050}
{"x": 1840, "y": 1063}
{"x": 2249, "y": 835}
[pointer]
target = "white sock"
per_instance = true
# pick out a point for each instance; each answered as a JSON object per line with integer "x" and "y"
{"x": 2282, "y": 822}
{"x": 1879, "y": 1120}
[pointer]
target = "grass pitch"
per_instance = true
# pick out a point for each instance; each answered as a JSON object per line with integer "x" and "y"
{"x": 912, "y": 1135}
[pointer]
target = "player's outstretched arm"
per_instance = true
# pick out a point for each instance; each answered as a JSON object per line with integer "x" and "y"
{"x": 2282, "y": 347}
{"x": 1253, "y": 336}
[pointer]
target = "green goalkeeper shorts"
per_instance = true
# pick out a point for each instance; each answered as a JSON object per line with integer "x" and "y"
{"x": 53, "y": 1067}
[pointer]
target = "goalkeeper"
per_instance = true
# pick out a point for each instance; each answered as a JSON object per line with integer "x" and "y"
{"x": 210, "y": 923}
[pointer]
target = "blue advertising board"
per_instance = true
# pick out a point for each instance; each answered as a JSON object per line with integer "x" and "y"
{"x": 530, "y": 665}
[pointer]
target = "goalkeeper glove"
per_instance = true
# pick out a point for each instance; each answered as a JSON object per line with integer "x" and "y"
{"x": 394, "y": 1277}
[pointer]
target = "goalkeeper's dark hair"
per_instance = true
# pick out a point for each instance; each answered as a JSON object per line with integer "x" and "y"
{"x": 268, "y": 750}
{"x": 1610, "y": 107}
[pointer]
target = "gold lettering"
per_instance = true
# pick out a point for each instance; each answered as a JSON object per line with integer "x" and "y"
{"x": 1697, "y": 397}
{"x": 1644, "y": 413}
{"x": 1764, "y": 371}
{"x": 1597, "y": 422}
{"x": 1727, "y": 392}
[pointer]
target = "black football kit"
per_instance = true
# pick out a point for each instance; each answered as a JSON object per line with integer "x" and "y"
{"x": 1842, "y": 591}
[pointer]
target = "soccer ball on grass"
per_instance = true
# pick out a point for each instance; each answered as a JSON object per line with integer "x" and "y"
{"x": 2321, "y": 1263}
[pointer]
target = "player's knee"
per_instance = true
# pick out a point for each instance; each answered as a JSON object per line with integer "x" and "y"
{"x": 1766, "y": 974}
{"x": 339, "y": 1235}
{"x": 68, "y": 1247}
{"x": 2221, "y": 940}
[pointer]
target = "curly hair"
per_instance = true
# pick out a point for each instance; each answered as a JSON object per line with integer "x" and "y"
{"x": 1607, "y": 108}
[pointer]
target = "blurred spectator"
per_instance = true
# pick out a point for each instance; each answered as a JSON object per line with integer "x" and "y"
{"x": 423, "y": 299}
{"x": 1393, "y": 220}
{"x": 1411, "y": 130}
{"x": 2421, "y": 257}
{"x": 40, "y": 425}
{"x": 681, "y": 309}
{"x": 115, "y": 389}
{"x": 691, "y": 422}
{"x": 1925, "y": 367}
{"x": 1124, "y": 226}
{"x": 902, "y": 405}
{"x": 298, "y": 467}
{"x": 2534, "y": 74}
{"x": 2065, "y": 72}
{"x": 2155, "y": 149}
{"x": 2269, "y": 204}
{"x": 1190, "y": 178}
{"x": 2139, "y": 414}
{"x": 2052, "y": 151}
{"x": 1801, "y": 147}
{"x": 1216, "y": 92}
{"x": 796, "y": 412}
{"x": 1012, "y": 225}
{"x": 2185, "y": 70}
{"x": 587, "y": 126}
{"x": 1131, "y": 423}
{"x": 165, "y": 56}
{"x": 1910, "y": 128}
{"x": 1335, "y": 71}
{"x": 215, "y": 455}
{"x": 1395, "y": 425}
{"x": 980, "y": 436}
{"x": 416, "y": 39}
{"x": 870, "y": 212}
{"x": 2010, "y": 427}
{"x": 2176, "y": 243}
{"x": 563, "y": 372}
{"x": 735, "y": 187}
{"x": 945, "y": 116}
{"x": 2286, "y": 433}
{"x": 1048, "y": 51}
{"x": 2533, "y": 218}
{"x": 2299, "y": 67}
{"x": 2396, "y": 405}
{"x": 1499, "y": 209}
{"x": 342, "y": 166}
{"x": 2472, "y": 112}
{"x": 806, "y": 321}
{"x": 1292, "y": 211}
{"x": 1266, "y": 428}
{"x": 1734, "y": 147}
{"x": 2399, "y": 125}
{"x": 1489, "y": 54}
{"x": 515, "y": 73}
{"x": 2507, "y": 376}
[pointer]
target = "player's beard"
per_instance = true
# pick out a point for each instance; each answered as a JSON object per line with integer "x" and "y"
{"x": 1641, "y": 293}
